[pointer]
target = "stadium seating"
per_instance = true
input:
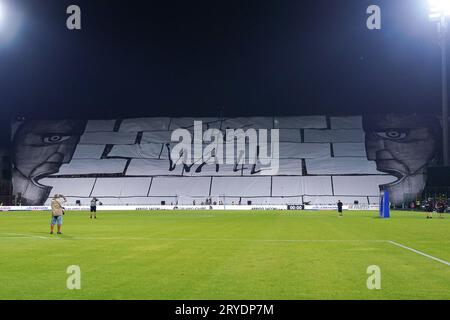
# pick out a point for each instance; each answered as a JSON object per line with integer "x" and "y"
{"x": 322, "y": 160}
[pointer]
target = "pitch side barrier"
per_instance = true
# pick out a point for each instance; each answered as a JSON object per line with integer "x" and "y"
{"x": 351, "y": 207}
{"x": 192, "y": 207}
{"x": 149, "y": 207}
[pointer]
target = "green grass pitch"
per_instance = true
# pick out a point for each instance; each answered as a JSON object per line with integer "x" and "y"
{"x": 224, "y": 255}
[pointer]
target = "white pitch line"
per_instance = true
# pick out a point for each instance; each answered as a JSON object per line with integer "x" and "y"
{"x": 16, "y": 237}
{"x": 224, "y": 239}
{"x": 24, "y": 236}
{"x": 419, "y": 252}
{"x": 196, "y": 239}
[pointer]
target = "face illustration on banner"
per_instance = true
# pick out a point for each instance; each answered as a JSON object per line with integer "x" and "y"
{"x": 40, "y": 148}
{"x": 402, "y": 146}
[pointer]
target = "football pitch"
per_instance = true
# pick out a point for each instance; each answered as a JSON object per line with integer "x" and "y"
{"x": 225, "y": 255}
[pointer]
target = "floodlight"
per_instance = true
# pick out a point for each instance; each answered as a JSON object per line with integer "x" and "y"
{"x": 10, "y": 21}
{"x": 439, "y": 9}
{"x": 2, "y": 14}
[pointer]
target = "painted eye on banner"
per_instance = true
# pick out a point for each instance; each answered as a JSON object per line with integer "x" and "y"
{"x": 392, "y": 134}
{"x": 54, "y": 138}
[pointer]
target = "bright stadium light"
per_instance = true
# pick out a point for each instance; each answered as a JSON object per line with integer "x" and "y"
{"x": 2, "y": 14}
{"x": 11, "y": 19}
{"x": 440, "y": 12}
{"x": 439, "y": 8}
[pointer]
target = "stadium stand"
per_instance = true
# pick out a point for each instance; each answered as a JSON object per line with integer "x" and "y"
{"x": 5, "y": 176}
{"x": 322, "y": 159}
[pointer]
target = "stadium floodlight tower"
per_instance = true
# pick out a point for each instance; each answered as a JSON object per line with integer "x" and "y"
{"x": 440, "y": 12}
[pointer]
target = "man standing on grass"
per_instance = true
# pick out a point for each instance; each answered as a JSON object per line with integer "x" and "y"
{"x": 440, "y": 208}
{"x": 57, "y": 212}
{"x": 94, "y": 207}
{"x": 429, "y": 208}
{"x": 339, "y": 205}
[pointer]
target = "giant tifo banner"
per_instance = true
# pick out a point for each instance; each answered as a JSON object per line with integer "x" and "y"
{"x": 307, "y": 160}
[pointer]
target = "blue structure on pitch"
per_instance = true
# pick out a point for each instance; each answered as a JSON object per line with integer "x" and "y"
{"x": 384, "y": 205}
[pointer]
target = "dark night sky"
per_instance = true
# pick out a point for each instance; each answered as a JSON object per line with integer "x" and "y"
{"x": 189, "y": 58}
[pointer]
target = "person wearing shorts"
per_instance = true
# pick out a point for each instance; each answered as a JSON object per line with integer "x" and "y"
{"x": 57, "y": 212}
{"x": 94, "y": 208}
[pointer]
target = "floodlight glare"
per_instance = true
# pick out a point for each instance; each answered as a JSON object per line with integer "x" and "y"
{"x": 10, "y": 22}
{"x": 439, "y": 8}
{"x": 2, "y": 13}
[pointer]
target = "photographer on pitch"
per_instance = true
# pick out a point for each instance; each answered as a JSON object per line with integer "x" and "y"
{"x": 94, "y": 207}
{"x": 57, "y": 212}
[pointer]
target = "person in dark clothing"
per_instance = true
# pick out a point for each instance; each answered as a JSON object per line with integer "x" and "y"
{"x": 339, "y": 205}
{"x": 440, "y": 208}
{"x": 429, "y": 209}
{"x": 94, "y": 207}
